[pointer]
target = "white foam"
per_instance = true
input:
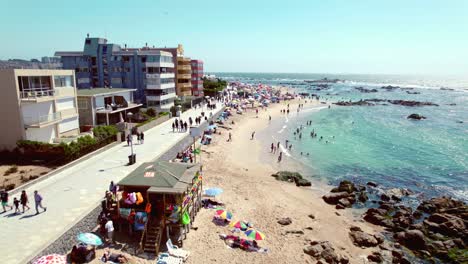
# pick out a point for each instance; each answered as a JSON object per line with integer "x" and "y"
{"x": 282, "y": 129}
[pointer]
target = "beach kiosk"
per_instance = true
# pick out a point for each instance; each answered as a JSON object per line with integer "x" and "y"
{"x": 165, "y": 196}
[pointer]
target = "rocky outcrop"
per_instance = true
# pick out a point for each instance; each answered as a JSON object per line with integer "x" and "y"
{"x": 292, "y": 177}
{"x": 371, "y": 102}
{"x": 363, "y": 239}
{"x": 333, "y": 198}
{"x": 412, "y": 239}
{"x": 364, "y": 90}
{"x": 409, "y": 92}
{"x": 390, "y": 87}
{"x": 324, "y": 251}
{"x": 416, "y": 116}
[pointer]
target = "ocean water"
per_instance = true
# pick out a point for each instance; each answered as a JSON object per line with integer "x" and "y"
{"x": 378, "y": 143}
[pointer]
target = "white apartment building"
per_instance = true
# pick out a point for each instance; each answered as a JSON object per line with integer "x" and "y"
{"x": 38, "y": 105}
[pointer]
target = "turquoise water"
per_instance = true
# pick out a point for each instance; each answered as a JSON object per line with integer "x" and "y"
{"x": 378, "y": 143}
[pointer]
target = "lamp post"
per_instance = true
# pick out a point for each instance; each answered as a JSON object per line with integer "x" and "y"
{"x": 132, "y": 157}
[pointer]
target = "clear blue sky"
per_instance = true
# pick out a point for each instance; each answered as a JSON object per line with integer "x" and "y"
{"x": 347, "y": 36}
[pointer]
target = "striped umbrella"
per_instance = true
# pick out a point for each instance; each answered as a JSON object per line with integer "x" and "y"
{"x": 254, "y": 234}
{"x": 239, "y": 224}
{"x": 51, "y": 259}
{"x": 224, "y": 214}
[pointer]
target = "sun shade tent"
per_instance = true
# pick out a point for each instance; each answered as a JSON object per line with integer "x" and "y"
{"x": 162, "y": 177}
{"x": 172, "y": 190}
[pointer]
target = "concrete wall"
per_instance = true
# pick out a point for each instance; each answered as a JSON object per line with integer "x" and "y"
{"x": 44, "y": 134}
{"x": 87, "y": 117}
{"x": 68, "y": 124}
{"x": 10, "y": 117}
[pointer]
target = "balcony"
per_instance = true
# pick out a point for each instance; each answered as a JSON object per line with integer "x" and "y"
{"x": 37, "y": 95}
{"x": 184, "y": 76}
{"x": 160, "y": 86}
{"x": 184, "y": 67}
{"x": 159, "y": 64}
{"x": 160, "y": 97}
{"x": 65, "y": 92}
{"x": 160, "y": 75}
{"x": 42, "y": 120}
{"x": 184, "y": 85}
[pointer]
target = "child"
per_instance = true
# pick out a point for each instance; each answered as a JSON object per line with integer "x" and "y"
{"x": 16, "y": 202}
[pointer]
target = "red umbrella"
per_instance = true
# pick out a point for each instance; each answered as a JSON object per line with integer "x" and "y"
{"x": 51, "y": 259}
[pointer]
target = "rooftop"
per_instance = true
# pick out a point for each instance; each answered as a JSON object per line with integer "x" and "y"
{"x": 102, "y": 91}
{"x": 162, "y": 176}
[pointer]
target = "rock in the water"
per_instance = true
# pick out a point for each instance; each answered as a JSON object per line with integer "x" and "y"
{"x": 416, "y": 116}
{"x": 362, "y": 197}
{"x": 412, "y": 239}
{"x": 384, "y": 197}
{"x": 285, "y": 221}
{"x": 372, "y": 184}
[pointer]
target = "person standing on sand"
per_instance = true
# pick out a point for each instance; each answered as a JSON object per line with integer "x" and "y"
{"x": 230, "y": 137}
{"x": 110, "y": 230}
{"x": 256, "y": 112}
{"x": 290, "y": 147}
{"x": 277, "y": 145}
{"x": 272, "y": 147}
{"x": 280, "y": 156}
{"x": 269, "y": 118}
{"x": 253, "y": 135}
{"x": 24, "y": 200}
{"x": 38, "y": 202}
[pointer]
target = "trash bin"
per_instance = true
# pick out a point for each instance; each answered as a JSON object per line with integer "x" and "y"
{"x": 132, "y": 159}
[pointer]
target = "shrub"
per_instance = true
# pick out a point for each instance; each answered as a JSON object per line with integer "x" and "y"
{"x": 11, "y": 170}
{"x": 33, "y": 177}
{"x": 10, "y": 187}
{"x": 151, "y": 112}
{"x": 104, "y": 132}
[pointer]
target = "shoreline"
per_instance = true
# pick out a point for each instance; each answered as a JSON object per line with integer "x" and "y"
{"x": 252, "y": 194}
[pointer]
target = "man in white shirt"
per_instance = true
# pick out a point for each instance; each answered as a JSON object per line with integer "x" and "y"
{"x": 110, "y": 230}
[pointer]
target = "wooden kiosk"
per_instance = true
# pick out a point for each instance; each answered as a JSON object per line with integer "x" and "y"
{"x": 174, "y": 191}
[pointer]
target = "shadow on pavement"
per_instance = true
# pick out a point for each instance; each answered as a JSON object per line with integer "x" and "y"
{"x": 28, "y": 216}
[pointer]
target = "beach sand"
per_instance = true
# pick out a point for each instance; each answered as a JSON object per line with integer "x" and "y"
{"x": 252, "y": 194}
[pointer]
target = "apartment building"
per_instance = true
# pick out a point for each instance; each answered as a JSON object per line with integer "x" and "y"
{"x": 38, "y": 105}
{"x": 197, "y": 77}
{"x": 184, "y": 77}
{"x": 102, "y": 64}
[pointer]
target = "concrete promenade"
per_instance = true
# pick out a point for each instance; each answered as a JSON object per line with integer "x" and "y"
{"x": 74, "y": 192}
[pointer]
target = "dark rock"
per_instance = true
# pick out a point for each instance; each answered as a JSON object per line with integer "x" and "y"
{"x": 309, "y": 228}
{"x": 313, "y": 250}
{"x": 375, "y": 257}
{"x": 347, "y": 186}
{"x": 355, "y": 228}
{"x": 380, "y": 238}
{"x": 416, "y": 116}
{"x": 439, "y": 204}
{"x": 344, "y": 259}
{"x": 396, "y": 198}
{"x": 390, "y": 87}
{"x": 372, "y": 184}
{"x": 387, "y": 206}
{"x": 329, "y": 255}
{"x": 285, "y": 221}
{"x": 340, "y": 207}
{"x": 378, "y": 216}
{"x": 384, "y": 197}
{"x": 364, "y": 90}
{"x": 362, "y": 239}
{"x": 412, "y": 239}
{"x": 344, "y": 202}
{"x": 404, "y": 260}
{"x": 303, "y": 183}
{"x": 417, "y": 214}
{"x": 311, "y": 216}
{"x": 362, "y": 197}
{"x": 291, "y": 177}
{"x": 333, "y": 198}
{"x": 297, "y": 232}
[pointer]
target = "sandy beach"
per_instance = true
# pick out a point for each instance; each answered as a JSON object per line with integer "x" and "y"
{"x": 252, "y": 194}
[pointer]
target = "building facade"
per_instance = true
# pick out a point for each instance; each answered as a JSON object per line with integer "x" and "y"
{"x": 197, "y": 77}
{"x": 105, "y": 106}
{"x": 37, "y": 105}
{"x": 184, "y": 77}
{"x": 101, "y": 64}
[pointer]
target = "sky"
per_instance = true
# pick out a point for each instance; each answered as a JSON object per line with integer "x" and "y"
{"x": 310, "y": 36}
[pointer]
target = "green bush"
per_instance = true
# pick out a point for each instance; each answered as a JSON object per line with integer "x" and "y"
{"x": 11, "y": 170}
{"x": 104, "y": 132}
{"x": 212, "y": 87}
{"x": 151, "y": 112}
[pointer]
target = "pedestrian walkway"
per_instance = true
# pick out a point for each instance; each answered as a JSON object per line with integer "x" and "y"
{"x": 74, "y": 192}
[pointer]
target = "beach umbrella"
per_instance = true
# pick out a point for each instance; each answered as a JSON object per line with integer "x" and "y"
{"x": 52, "y": 259}
{"x": 224, "y": 214}
{"x": 89, "y": 239}
{"x": 254, "y": 234}
{"x": 242, "y": 225}
{"x": 213, "y": 191}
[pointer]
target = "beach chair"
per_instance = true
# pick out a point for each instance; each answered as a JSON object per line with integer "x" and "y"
{"x": 165, "y": 258}
{"x": 175, "y": 251}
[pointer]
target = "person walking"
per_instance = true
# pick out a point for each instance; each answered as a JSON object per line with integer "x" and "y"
{"x": 110, "y": 230}
{"x": 4, "y": 198}
{"x": 38, "y": 202}
{"x": 230, "y": 137}
{"x": 138, "y": 137}
{"x": 16, "y": 203}
{"x": 24, "y": 200}
{"x": 142, "y": 137}
{"x": 173, "y": 127}
{"x": 253, "y": 135}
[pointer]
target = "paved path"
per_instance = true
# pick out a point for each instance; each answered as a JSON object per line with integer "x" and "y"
{"x": 74, "y": 192}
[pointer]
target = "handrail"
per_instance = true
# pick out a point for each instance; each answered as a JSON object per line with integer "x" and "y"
{"x": 143, "y": 233}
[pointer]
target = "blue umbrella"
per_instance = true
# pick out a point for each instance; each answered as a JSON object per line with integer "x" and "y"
{"x": 89, "y": 239}
{"x": 212, "y": 127}
{"x": 213, "y": 191}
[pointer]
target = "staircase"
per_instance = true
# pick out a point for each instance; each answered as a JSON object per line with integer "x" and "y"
{"x": 154, "y": 233}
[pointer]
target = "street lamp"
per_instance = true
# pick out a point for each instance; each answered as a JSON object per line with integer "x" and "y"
{"x": 132, "y": 157}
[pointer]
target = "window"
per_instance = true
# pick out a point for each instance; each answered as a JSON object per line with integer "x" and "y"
{"x": 143, "y": 59}
{"x": 104, "y": 49}
{"x": 63, "y": 81}
{"x": 87, "y": 41}
{"x": 82, "y": 103}
{"x": 143, "y": 69}
{"x": 126, "y": 58}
